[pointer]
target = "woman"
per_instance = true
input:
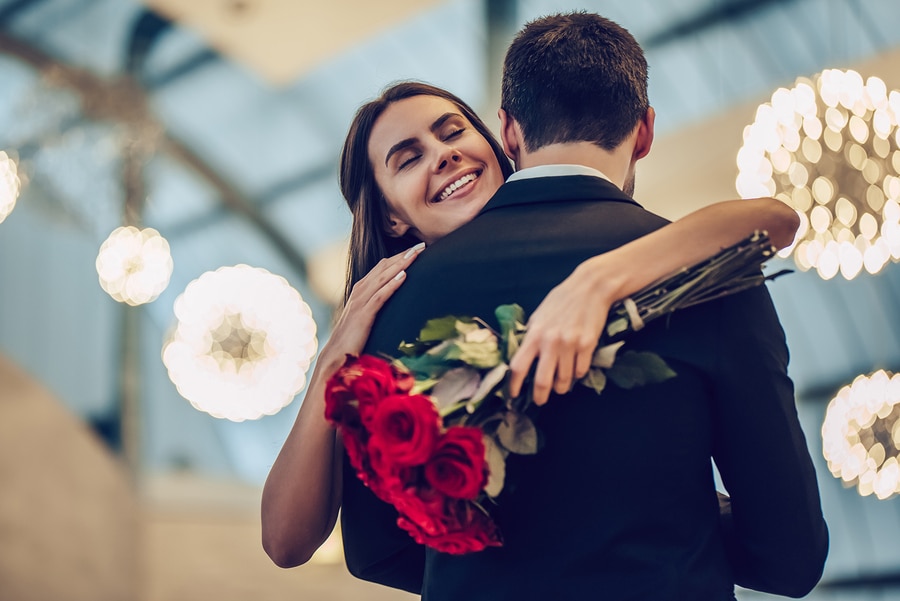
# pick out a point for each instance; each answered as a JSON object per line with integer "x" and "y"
{"x": 398, "y": 207}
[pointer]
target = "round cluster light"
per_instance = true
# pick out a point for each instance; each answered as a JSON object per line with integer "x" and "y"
{"x": 830, "y": 148}
{"x": 242, "y": 345}
{"x": 10, "y": 185}
{"x": 861, "y": 434}
{"x": 134, "y": 265}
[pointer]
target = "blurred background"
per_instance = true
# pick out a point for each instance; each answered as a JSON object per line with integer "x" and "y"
{"x": 212, "y": 130}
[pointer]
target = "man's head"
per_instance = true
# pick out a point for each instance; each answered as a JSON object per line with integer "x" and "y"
{"x": 575, "y": 77}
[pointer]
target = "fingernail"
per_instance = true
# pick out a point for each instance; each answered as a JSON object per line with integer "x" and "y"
{"x": 418, "y": 247}
{"x": 400, "y": 275}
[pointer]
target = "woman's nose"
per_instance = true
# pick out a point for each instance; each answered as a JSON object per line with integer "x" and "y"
{"x": 450, "y": 156}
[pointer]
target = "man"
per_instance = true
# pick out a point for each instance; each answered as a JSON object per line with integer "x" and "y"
{"x": 620, "y": 503}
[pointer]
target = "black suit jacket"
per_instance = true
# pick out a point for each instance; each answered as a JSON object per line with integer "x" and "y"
{"x": 620, "y": 503}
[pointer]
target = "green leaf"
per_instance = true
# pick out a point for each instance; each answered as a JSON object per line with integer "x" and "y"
{"x": 595, "y": 379}
{"x": 440, "y": 328}
{"x": 637, "y": 368}
{"x": 510, "y": 317}
{"x": 517, "y": 434}
{"x": 483, "y": 355}
{"x": 616, "y": 327}
{"x": 496, "y": 460}
{"x": 466, "y": 326}
{"x": 425, "y": 366}
{"x": 441, "y": 350}
{"x": 409, "y": 349}
{"x": 513, "y": 341}
{"x": 488, "y": 383}
{"x": 605, "y": 356}
{"x": 424, "y": 385}
{"x": 457, "y": 384}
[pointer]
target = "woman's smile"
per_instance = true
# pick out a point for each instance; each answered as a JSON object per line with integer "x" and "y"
{"x": 459, "y": 187}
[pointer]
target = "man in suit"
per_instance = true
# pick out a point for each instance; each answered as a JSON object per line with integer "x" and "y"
{"x": 620, "y": 503}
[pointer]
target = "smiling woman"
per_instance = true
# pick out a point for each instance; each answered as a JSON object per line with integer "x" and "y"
{"x": 435, "y": 169}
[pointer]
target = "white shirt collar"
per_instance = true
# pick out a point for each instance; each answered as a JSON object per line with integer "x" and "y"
{"x": 555, "y": 171}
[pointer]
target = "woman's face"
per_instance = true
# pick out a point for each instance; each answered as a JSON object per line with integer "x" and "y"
{"x": 434, "y": 169}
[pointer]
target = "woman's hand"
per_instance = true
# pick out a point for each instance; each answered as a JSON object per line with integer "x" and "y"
{"x": 350, "y": 333}
{"x": 563, "y": 332}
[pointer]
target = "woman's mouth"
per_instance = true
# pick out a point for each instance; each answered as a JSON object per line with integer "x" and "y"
{"x": 462, "y": 181}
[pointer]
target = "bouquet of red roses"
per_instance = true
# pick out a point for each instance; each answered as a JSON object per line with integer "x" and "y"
{"x": 396, "y": 440}
{"x": 429, "y": 432}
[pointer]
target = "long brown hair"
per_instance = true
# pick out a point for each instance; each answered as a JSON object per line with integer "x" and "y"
{"x": 370, "y": 237}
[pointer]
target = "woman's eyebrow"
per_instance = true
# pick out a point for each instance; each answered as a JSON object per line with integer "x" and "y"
{"x": 409, "y": 141}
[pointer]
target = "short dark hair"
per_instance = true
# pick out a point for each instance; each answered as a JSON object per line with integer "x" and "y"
{"x": 370, "y": 240}
{"x": 574, "y": 77}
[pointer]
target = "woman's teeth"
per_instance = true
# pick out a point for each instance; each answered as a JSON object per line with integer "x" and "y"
{"x": 456, "y": 185}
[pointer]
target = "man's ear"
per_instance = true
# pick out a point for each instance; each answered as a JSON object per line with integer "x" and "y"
{"x": 510, "y": 135}
{"x": 644, "y": 139}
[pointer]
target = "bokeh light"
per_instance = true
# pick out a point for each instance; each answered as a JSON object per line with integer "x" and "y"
{"x": 243, "y": 343}
{"x": 134, "y": 265}
{"x": 830, "y": 148}
{"x": 861, "y": 434}
{"x": 10, "y": 185}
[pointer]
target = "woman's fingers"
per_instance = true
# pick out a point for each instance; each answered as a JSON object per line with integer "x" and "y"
{"x": 565, "y": 362}
{"x": 383, "y": 293}
{"x": 520, "y": 365}
{"x": 381, "y": 275}
{"x": 543, "y": 378}
{"x": 352, "y": 329}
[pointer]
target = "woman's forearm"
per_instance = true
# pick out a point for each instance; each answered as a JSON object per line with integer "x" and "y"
{"x": 301, "y": 496}
{"x": 565, "y": 328}
{"x": 697, "y": 236}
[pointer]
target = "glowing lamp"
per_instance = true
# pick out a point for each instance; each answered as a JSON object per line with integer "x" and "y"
{"x": 243, "y": 343}
{"x": 830, "y": 148}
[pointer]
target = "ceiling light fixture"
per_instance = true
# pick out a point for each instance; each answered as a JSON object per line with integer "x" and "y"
{"x": 830, "y": 148}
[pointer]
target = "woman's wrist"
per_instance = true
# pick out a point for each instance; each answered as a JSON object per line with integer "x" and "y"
{"x": 604, "y": 278}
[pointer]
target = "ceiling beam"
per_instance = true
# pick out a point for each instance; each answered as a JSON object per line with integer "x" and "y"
{"x": 716, "y": 14}
{"x": 15, "y": 7}
{"x": 122, "y": 101}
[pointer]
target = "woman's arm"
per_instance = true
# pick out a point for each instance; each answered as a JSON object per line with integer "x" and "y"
{"x": 302, "y": 493}
{"x": 565, "y": 328}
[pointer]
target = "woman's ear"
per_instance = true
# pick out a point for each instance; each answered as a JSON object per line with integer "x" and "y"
{"x": 396, "y": 227}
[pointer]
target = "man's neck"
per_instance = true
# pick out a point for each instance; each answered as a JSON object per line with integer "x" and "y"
{"x": 614, "y": 164}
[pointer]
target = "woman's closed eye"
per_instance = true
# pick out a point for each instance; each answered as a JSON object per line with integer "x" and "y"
{"x": 405, "y": 162}
{"x": 454, "y": 133}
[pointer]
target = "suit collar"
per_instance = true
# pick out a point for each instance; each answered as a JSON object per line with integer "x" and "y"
{"x": 556, "y": 189}
{"x": 554, "y": 170}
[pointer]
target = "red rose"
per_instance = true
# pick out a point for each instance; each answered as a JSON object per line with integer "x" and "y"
{"x": 424, "y": 511}
{"x": 377, "y": 373}
{"x": 462, "y": 528}
{"x": 391, "y": 476}
{"x": 362, "y": 382}
{"x": 458, "y": 468}
{"x": 404, "y": 429}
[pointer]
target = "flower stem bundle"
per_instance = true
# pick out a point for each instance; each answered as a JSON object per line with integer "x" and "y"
{"x": 731, "y": 270}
